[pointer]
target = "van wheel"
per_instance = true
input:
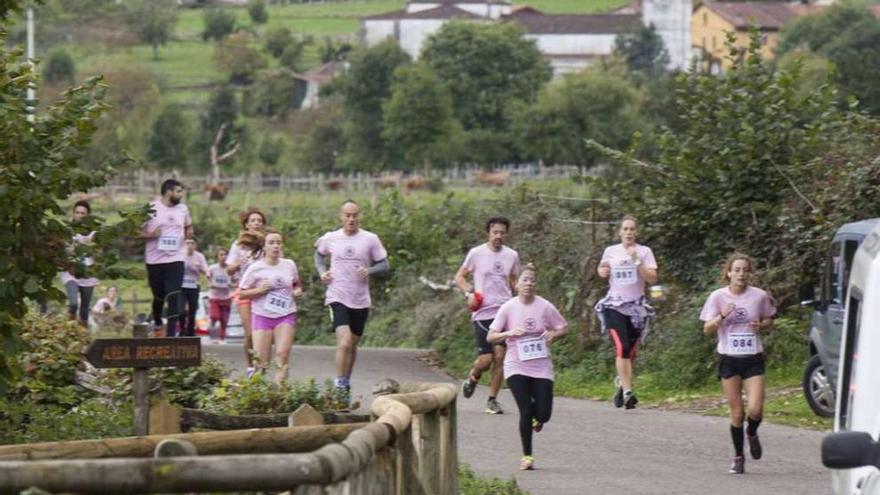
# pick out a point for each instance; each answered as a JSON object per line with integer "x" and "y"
{"x": 817, "y": 388}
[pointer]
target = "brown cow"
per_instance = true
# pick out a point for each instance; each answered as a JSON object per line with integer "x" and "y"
{"x": 217, "y": 192}
{"x": 414, "y": 182}
{"x": 335, "y": 184}
{"x": 388, "y": 180}
{"x": 494, "y": 178}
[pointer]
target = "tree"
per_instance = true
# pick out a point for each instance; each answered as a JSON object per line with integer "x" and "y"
{"x": 486, "y": 68}
{"x": 643, "y": 51}
{"x": 258, "y": 12}
{"x": 59, "y": 67}
{"x": 365, "y": 88}
{"x": 153, "y": 21}
{"x": 219, "y": 23}
{"x": 276, "y": 93}
{"x": 292, "y": 55}
{"x": 271, "y": 150}
{"x": 418, "y": 116}
{"x": 856, "y": 54}
{"x": 325, "y": 141}
{"x": 223, "y": 110}
{"x": 332, "y": 51}
{"x": 815, "y": 32}
{"x": 167, "y": 144}
{"x": 236, "y": 57}
{"x": 590, "y": 104}
{"x": 40, "y": 155}
{"x": 277, "y": 40}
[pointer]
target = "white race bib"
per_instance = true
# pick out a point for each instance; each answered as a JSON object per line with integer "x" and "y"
{"x": 531, "y": 348}
{"x": 277, "y": 302}
{"x": 742, "y": 343}
{"x": 220, "y": 281}
{"x": 624, "y": 275}
{"x": 169, "y": 243}
{"x": 190, "y": 282}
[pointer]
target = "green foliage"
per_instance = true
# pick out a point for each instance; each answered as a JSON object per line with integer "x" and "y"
{"x": 53, "y": 347}
{"x": 169, "y": 139}
{"x": 186, "y": 387}
{"x": 258, "y": 395}
{"x": 41, "y": 154}
{"x": 93, "y": 418}
{"x": 364, "y": 89}
{"x": 325, "y": 141}
{"x": 276, "y": 93}
{"x": 643, "y": 51}
{"x": 469, "y": 483}
{"x": 591, "y": 104}
{"x": 333, "y": 51}
{"x": 258, "y": 12}
{"x": 487, "y": 67}
{"x": 153, "y": 21}
{"x": 219, "y": 23}
{"x": 271, "y": 150}
{"x": 418, "y": 117}
{"x": 235, "y": 56}
{"x": 222, "y": 108}
{"x": 59, "y": 67}
{"x": 277, "y": 40}
{"x": 292, "y": 55}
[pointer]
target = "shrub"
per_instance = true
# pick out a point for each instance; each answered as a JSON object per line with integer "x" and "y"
{"x": 257, "y": 12}
{"x": 219, "y": 23}
{"x": 258, "y": 395}
{"x": 59, "y": 67}
{"x": 53, "y": 347}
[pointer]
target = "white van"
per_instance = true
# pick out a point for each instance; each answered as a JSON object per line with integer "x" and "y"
{"x": 853, "y": 450}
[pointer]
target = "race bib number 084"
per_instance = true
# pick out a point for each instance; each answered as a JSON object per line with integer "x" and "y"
{"x": 742, "y": 343}
{"x": 532, "y": 348}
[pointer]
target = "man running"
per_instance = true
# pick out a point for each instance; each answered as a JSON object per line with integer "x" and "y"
{"x": 165, "y": 232}
{"x": 355, "y": 255}
{"x": 494, "y": 268}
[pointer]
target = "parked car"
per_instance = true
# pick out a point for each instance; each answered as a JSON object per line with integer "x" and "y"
{"x": 853, "y": 451}
{"x": 820, "y": 375}
{"x": 234, "y": 329}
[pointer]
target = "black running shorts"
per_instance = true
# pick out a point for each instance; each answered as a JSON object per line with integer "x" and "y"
{"x": 742, "y": 366}
{"x": 354, "y": 318}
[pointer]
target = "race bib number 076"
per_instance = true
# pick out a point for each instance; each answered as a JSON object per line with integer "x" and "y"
{"x": 532, "y": 348}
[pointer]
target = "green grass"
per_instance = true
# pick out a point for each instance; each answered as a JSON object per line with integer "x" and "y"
{"x": 572, "y": 6}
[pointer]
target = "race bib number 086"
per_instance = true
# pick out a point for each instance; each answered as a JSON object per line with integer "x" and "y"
{"x": 742, "y": 343}
{"x": 532, "y": 348}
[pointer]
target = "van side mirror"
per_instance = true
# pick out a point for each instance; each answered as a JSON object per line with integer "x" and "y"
{"x": 807, "y": 295}
{"x": 850, "y": 449}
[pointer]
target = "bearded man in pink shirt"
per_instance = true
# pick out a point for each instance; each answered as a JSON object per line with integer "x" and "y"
{"x": 165, "y": 253}
{"x": 355, "y": 256}
{"x": 494, "y": 268}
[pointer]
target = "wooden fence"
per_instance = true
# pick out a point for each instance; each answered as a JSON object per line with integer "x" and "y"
{"x": 409, "y": 449}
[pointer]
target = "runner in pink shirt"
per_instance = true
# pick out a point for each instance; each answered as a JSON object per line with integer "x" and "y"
{"x": 194, "y": 266}
{"x": 738, "y": 314}
{"x": 246, "y": 249}
{"x": 355, "y": 255}
{"x": 494, "y": 268}
{"x": 165, "y": 232}
{"x": 624, "y": 312}
{"x": 271, "y": 284}
{"x": 220, "y": 294}
{"x": 529, "y": 324}
{"x": 80, "y": 289}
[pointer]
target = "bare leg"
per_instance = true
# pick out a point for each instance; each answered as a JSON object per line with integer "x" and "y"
{"x": 755, "y": 392}
{"x": 625, "y": 372}
{"x": 263, "y": 346}
{"x": 733, "y": 393}
{"x": 497, "y": 370}
{"x": 481, "y": 364}
{"x": 344, "y": 345}
{"x": 244, "y": 310}
{"x": 284, "y": 335}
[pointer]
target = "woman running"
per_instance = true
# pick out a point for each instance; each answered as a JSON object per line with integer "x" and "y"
{"x": 624, "y": 313}
{"x": 738, "y": 314}
{"x": 195, "y": 264}
{"x": 220, "y": 296}
{"x": 244, "y": 251}
{"x": 271, "y": 285}
{"x": 80, "y": 288}
{"x": 529, "y": 324}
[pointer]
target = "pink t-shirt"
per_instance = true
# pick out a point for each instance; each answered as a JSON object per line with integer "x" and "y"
{"x": 169, "y": 246}
{"x": 528, "y": 355}
{"x": 279, "y": 300}
{"x": 626, "y": 284}
{"x": 735, "y": 338}
{"x": 193, "y": 265}
{"x": 87, "y": 261}
{"x": 241, "y": 256}
{"x": 491, "y": 271}
{"x": 347, "y": 253}
{"x": 219, "y": 280}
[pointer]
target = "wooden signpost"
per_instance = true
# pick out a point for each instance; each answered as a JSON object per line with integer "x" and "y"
{"x": 142, "y": 353}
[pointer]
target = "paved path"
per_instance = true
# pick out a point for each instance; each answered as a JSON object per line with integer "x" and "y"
{"x": 591, "y": 447}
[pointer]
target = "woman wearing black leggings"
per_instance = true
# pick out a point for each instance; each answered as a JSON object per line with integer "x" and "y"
{"x": 529, "y": 324}
{"x": 194, "y": 265}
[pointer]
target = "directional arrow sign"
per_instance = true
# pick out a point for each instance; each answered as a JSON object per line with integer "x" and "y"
{"x": 145, "y": 352}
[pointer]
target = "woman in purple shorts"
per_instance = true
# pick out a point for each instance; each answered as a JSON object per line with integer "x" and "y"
{"x": 271, "y": 284}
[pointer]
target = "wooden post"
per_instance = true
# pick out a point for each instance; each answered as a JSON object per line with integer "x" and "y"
{"x": 430, "y": 470}
{"x": 164, "y": 418}
{"x": 305, "y": 415}
{"x": 141, "y": 389}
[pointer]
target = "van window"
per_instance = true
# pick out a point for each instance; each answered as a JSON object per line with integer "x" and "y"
{"x": 849, "y": 252}
{"x": 850, "y": 358}
{"x": 831, "y": 289}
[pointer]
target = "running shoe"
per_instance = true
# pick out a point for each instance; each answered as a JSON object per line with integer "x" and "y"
{"x": 493, "y": 407}
{"x": 630, "y": 400}
{"x": 537, "y": 425}
{"x": 738, "y": 466}
{"x": 527, "y": 463}
{"x": 618, "y": 394}
{"x": 467, "y": 388}
{"x": 251, "y": 371}
{"x": 755, "y": 447}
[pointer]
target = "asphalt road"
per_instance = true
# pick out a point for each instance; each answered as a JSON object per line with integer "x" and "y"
{"x": 591, "y": 447}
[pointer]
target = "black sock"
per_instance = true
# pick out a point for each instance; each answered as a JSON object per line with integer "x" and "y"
{"x": 752, "y": 426}
{"x": 736, "y": 434}
{"x": 491, "y": 397}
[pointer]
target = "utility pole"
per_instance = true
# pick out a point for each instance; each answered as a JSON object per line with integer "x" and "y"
{"x": 30, "y": 57}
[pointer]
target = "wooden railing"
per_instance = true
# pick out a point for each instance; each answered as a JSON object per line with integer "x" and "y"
{"x": 409, "y": 449}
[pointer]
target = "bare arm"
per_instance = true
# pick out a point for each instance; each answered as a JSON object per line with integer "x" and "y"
{"x": 461, "y": 280}
{"x": 649, "y": 274}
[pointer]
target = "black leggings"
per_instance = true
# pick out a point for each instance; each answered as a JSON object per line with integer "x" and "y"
{"x": 188, "y": 315}
{"x": 165, "y": 280}
{"x": 79, "y": 300}
{"x": 534, "y": 398}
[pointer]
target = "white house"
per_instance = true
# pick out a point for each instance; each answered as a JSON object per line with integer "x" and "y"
{"x": 571, "y": 42}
